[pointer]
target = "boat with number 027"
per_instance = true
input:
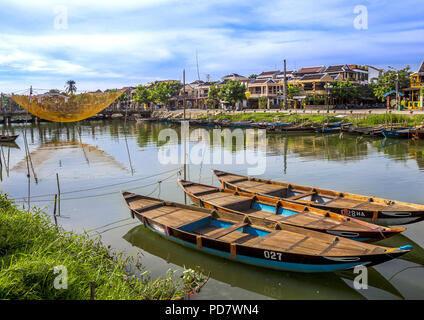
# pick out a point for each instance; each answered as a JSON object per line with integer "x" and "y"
{"x": 377, "y": 210}
{"x": 253, "y": 240}
{"x": 286, "y": 213}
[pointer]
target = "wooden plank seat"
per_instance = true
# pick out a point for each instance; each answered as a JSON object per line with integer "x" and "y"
{"x": 302, "y": 195}
{"x": 204, "y": 193}
{"x": 222, "y": 232}
{"x": 238, "y": 180}
{"x": 265, "y": 188}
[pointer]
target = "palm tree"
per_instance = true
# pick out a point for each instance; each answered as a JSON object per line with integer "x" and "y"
{"x": 71, "y": 88}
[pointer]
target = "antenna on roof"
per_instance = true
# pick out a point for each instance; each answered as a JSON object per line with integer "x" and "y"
{"x": 197, "y": 63}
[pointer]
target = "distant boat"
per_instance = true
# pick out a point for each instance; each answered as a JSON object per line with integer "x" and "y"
{"x": 418, "y": 132}
{"x": 143, "y": 120}
{"x": 398, "y": 133}
{"x": 366, "y": 131}
{"x": 8, "y": 138}
{"x": 332, "y": 127}
{"x": 256, "y": 241}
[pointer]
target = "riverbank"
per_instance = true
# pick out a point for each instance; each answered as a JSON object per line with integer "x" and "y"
{"x": 360, "y": 120}
{"x": 38, "y": 260}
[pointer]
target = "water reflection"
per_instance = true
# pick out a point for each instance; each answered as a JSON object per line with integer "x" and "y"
{"x": 58, "y": 151}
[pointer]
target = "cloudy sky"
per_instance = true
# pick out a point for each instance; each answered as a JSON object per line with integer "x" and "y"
{"x": 107, "y": 44}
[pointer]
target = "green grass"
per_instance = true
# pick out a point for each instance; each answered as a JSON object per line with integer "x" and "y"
{"x": 31, "y": 247}
{"x": 359, "y": 120}
{"x": 377, "y": 119}
{"x": 271, "y": 117}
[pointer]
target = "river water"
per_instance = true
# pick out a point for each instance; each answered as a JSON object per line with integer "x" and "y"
{"x": 95, "y": 160}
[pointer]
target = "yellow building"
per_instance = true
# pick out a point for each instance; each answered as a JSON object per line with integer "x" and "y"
{"x": 416, "y": 91}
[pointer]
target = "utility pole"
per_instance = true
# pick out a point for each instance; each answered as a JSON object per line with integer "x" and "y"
{"x": 285, "y": 87}
{"x": 184, "y": 93}
{"x": 397, "y": 88}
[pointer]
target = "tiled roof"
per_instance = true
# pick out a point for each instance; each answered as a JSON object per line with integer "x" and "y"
{"x": 233, "y": 75}
{"x": 254, "y": 81}
{"x": 421, "y": 71}
{"x": 374, "y": 68}
{"x": 315, "y": 76}
{"x": 310, "y": 70}
{"x": 268, "y": 73}
{"x": 339, "y": 68}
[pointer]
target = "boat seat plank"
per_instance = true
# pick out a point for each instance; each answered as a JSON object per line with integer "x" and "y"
{"x": 180, "y": 217}
{"x": 264, "y": 188}
{"x": 237, "y": 180}
{"x": 302, "y": 195}
{"x": 224, "y": 231}
{"x": 236, "y": 237}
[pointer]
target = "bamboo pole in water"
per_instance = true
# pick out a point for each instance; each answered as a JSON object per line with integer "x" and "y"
{"x": 58, "y": 190}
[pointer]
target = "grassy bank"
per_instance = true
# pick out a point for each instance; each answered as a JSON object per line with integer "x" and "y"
{"x": 359, "y": 120}
{"x": 31, "y": 247}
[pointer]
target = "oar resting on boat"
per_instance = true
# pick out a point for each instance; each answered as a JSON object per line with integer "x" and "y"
{"x": 377, "y": 210}
{"x": 253, "y": 240}
{"x": 284, "y": 212}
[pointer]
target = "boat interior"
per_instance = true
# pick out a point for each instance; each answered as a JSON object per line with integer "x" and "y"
{"x": 312, "y": 195}
{"x": 287, "y": 213}
{"x": 249, "y": 231}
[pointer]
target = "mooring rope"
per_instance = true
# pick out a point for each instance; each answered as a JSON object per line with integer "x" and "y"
{"x": 102, "y": 194}
{"x": 104, "y": 186}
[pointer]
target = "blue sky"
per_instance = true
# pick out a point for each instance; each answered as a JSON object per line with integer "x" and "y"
{"x": 108, "y": 44}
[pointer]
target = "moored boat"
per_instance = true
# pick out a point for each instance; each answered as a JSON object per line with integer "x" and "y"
{"x": 287, "y": 213}
{"x": 366, "y": 131}
{"x": 332, "y": 127}
{"x": 381, "y": 211}
{"x": 418, "y": 132}
{"x": 255, "y": 241}
{"x": 8, "y": 138}
{"x": 143, "y": 120}
{"x": 404, "y": 133}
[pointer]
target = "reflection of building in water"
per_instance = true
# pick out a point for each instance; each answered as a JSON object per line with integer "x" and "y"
{"x": 51, "y": 155}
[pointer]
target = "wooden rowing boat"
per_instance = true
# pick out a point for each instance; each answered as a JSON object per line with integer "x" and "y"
{"x": 404, "y": 133}
{"x": 286, "y": 213}
{"x": 253, "y": 240}
{"x": 377, "y": 210}
{"x": 366, "y": 131}
{"x": 7, "y": 138}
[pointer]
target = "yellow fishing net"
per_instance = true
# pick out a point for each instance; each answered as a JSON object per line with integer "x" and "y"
{"x": 58, "y": 107}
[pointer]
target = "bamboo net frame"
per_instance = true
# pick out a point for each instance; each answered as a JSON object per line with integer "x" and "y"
{"x": 62, "y": 108}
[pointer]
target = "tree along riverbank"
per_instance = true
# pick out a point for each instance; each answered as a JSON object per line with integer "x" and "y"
{"x": 38, "y": 260}
{"x": 360, "y": 120}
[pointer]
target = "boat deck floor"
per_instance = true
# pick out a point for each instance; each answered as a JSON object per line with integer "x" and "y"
{"x": 337, "y": 202}
{"x": 303, "y": 219}
{"x": 288, "y": 241}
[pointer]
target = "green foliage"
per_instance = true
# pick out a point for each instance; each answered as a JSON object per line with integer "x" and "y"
{"x": 253, "y": 76}
{"x": 142, "y": 94}
{"x": 386, "y": 82}
{"x": 31, "y": 247}
{"x": 232, "y": 91}
{"x": 343, "y": 91}
{"x": 262, "y": 102}
{"x": 293, "y": 90}
{"x": 163, "y": 91}
{"x": 213, "y": 95}
{"x": 71, "y": 87}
